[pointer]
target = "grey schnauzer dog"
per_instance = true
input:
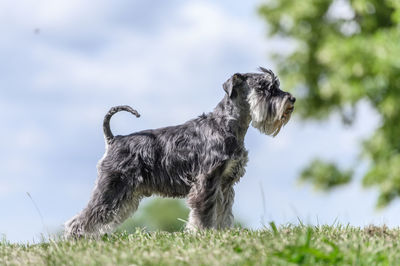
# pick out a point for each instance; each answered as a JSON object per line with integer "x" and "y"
{"x": 200, "y": 160}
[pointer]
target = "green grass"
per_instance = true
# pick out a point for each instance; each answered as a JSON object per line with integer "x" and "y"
{"x": 287, "y": 245}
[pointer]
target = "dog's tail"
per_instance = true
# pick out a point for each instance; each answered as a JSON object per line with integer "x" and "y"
{"x": 106, "y": 123}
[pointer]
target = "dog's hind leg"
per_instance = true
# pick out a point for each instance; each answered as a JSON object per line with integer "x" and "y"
{"x": 113, "y": 200}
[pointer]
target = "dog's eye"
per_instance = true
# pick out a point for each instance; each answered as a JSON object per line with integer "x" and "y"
{"x": 273, "y": 92}
{"x": 264, "y": 91}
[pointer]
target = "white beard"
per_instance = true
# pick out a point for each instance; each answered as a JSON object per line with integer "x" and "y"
{"x": 268, "y": 122}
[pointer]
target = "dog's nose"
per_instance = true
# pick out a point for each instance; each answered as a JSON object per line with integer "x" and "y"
{"x": 292, "y": 99}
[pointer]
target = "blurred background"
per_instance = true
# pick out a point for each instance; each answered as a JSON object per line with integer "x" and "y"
{"x": 65, "y": 63}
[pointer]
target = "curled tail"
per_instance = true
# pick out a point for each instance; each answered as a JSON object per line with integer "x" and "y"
{"x": 106, "y": 124}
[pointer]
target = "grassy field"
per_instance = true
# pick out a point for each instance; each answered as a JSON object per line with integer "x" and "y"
{"x": 288, "y": 245}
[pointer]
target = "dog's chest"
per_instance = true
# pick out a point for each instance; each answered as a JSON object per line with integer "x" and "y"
{"x": 235, "y": 169}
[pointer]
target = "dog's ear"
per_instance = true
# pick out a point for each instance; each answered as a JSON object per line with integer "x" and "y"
{"x": 230, "y": 86}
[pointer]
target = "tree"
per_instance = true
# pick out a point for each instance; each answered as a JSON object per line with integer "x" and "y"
{"x": 340, "y": 58}
{"x": 158, "y": 214}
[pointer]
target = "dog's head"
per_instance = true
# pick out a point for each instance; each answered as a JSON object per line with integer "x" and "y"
{"x": 270, "y": 108}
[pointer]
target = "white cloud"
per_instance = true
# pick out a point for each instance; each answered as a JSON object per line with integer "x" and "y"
{"x": 134, "y": 63}
{"x": 30, "y": 138}
{"x": 52, "y": 15}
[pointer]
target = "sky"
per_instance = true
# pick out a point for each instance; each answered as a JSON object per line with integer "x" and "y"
{"x": 65, "y": 63}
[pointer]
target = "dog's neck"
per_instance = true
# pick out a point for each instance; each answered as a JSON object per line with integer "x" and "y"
{"x": 235, "y": 115}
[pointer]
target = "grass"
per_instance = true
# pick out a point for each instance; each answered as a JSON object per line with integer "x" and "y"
{"x": 286, "y": 245}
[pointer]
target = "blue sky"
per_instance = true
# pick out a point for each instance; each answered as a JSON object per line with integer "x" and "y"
{"x": 168, "y": 61}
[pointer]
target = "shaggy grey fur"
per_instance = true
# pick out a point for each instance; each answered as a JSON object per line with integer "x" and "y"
{"x": 201, "y": 159}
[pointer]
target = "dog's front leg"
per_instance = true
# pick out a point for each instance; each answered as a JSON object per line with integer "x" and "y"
{"x": 225, "y": 216}
{"x": 202, "y": 200}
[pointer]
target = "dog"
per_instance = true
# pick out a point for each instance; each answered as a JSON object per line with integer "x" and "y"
{"x": 200, "y": 160}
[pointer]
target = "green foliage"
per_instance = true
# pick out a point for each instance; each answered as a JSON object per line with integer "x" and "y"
{"x": 285, "y": 245}
{"x": 325, "y": 176}
{"x": 339, "y": 60}
{"x": 159, "y": 214}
